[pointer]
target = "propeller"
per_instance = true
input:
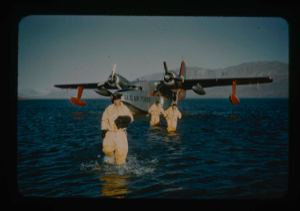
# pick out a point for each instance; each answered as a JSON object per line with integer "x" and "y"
{"x": 112, "y": 79}
{"x": 115, "y": 79}
{"x": 167, "y": 78}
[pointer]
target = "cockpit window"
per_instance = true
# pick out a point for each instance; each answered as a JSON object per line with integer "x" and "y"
{"x": 132, "y": 87}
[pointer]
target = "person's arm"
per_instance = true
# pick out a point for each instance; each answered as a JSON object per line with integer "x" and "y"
{"x": 128, "y": 113}
{"x": 179, "y": 114}
{"x": 166, "y": 113}
{"x": 105, "y": 120}
{"x": 105, "y": 123}
{"x": 149, "y": 111}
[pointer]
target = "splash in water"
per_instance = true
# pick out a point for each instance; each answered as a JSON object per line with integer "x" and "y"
{"x": 131, "y": 167}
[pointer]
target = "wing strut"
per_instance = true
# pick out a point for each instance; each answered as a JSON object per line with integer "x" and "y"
{"x": 78, "y": 101}
{"x": 233, "y": 87}
{"x": 232, "y": 98}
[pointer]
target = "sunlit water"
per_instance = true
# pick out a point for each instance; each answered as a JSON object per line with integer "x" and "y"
{"x": 218, "y": 151}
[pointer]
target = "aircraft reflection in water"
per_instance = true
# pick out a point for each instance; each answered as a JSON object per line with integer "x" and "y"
{"x": 114, "y": 186}
{"x": 140, "y": 95}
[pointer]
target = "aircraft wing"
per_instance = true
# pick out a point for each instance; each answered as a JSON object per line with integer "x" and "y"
{"x": 85, "y": 86}
{"x": 189, "y": 83}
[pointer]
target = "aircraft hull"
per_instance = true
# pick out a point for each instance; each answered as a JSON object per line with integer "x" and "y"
{"x": 141, "y": 101}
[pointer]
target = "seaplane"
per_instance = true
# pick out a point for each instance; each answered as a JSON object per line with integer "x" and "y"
{"x": 138, "y": 95}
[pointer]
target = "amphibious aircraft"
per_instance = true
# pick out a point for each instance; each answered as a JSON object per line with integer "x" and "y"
{"x": 140, "y": 95}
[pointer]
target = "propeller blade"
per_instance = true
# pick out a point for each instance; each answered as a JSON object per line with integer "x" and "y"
{"x": 114, "y": 70}
{"x": 158, "y": 87}
{"x": 118, "y": 86}
{"x": 165, "y": 66}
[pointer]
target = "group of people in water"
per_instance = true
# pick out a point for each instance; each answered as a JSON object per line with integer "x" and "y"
{"x": 172, "y": 114}
{"x": 116, "y": 119}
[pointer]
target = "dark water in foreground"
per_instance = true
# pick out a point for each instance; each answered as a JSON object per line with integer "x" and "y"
{"x": 219, "y": 151}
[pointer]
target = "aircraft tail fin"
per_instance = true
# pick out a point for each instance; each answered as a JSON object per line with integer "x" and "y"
{"x": 182, "y": 72}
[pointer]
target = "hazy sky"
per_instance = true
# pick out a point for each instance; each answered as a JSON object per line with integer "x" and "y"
{"x": 55, "y": 49}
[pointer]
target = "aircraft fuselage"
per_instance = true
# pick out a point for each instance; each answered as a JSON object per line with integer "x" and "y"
{"x": 139, "y": 97}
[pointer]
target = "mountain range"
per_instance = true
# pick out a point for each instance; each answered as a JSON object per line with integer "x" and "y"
{"x": 277, "y": 70}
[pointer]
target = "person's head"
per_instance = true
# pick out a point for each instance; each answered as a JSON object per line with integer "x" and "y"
{"x": 157, "y": 103}
{"x": 116, "y": 98}
{"x": 174, "y": 106}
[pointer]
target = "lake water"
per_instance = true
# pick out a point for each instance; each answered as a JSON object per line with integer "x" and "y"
{"x": 219, "y": 151}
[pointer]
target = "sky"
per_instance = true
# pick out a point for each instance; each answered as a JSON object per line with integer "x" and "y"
{"x": 60, "y": 49}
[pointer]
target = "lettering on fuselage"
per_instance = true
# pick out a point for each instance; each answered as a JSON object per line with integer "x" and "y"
{"x": 137, "y": 98}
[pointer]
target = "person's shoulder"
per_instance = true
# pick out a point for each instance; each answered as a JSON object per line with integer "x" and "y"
{"x": 109, "y": 107}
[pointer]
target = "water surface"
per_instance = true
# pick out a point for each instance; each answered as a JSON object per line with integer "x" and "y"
{"x": 219, "y": 151}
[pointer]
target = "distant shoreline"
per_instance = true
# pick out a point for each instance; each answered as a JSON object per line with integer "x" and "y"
{"x": 24, "y": 98}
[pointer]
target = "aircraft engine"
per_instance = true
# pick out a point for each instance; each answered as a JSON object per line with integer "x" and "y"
{"x": 234, "y": 99}
{"x": 103, "y": 91}
{"x": 116, "y": 80}
{"x": 171, "y": 78}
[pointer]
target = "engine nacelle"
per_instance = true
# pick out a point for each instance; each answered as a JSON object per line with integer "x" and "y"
{"x": 198, "y": 89}
{"x": 234, "y": 99}
{"x": 117, "y": 80}
{"x": 103, "y": 91}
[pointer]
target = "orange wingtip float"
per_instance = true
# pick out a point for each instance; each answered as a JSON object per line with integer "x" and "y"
{"x": 78, "y": 101}
{"x": 234, "y": 99}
